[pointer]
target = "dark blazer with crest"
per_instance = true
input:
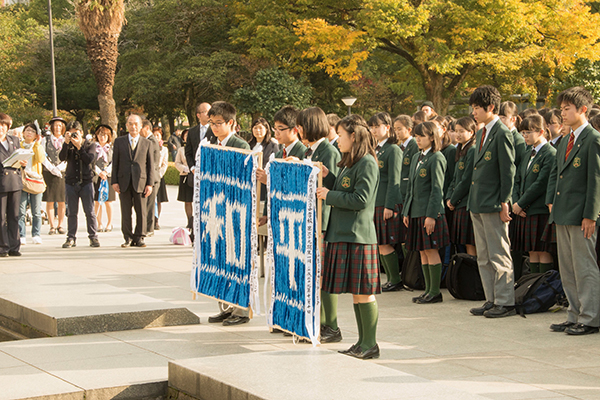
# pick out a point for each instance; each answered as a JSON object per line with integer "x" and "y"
{"x": 493, "y": 170}
{"x": 297, "y": 151}
{"x": 10, "y": 178}
{"x": 135, "y": 168}
{"x": 574, "y": 184}
{"x": 458, "y": 191}
{"x": 410, "y": 150}
{"x": 330, "y": 157}
{"x": 533, "y": 181}
{"x": 389, "y": 160}
{"x": 425, "y": 193}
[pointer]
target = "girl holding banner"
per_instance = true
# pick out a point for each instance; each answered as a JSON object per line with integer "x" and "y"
{"x": 351, "y": 259}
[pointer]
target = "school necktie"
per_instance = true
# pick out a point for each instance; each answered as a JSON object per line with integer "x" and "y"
{"x": 378, "y": 148}
{"x": 402, "y": 147}
{"x": 570, "y": 145}
{"x": 284, "y": 153}
{"x": 482, "y": 137}
{"x": 533, "y": 153}
{"x": 308, "y": 153}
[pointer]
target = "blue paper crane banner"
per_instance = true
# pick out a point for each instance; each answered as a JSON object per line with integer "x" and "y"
{"x": 292, "y": 251}
{"x": 225, "y": 226}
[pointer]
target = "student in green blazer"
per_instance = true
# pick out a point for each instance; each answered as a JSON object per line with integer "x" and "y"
{"x": 351, "y": 262}
{"x": 423, "y": 211}
{"x": 489, "y": 203}
{"x": 529, "y": 200}
{"x": 574, "y": 200}
{"x": 222, "y": 122}
{"x": 461, "y": 231}
{"x": 313, "y": 129}
{"x": 448, "y": 150}
{"x": 389, "y": 160}
{"x": 403, "y": 126}
{"x": 333, "y": 120}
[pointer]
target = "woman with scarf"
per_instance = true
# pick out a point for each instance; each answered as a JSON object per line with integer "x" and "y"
{"x": 53, "y": 173}
{"x": 102, "y": 169}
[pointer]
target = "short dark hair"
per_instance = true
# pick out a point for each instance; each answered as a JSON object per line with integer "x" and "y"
{"x": 419, "y": 117}
{"x": 510, "y": 109}
{"x": 33, "y": 126}
{"x": 384, "y": 118}
{"x": 577, "y": 96}
{"x": 287, "y": 116}
{"x": 430, "y": 130}
{"x": 468, "y": 124}
{"x": 146, "y": 123}
{"x": 224, "y": 109}
{"x": 553, "y": 113}
{"x": 76, "y": 125}
{"x": 535, "y": 122}
{"x": 267, "y": 138}
{"x": 314, "y": 123}
{"x": 405, "y": 120}
{"x": 6, "y": 120}
{"x": 364, "y": 141}
{"x": 485, "y": 96}
{"x": 333, "y": 119}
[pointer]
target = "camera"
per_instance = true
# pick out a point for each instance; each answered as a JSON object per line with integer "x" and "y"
{"x": 74, "y": 135}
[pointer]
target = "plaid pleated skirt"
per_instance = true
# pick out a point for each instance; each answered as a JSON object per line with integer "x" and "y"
{"x": 528, "y": 233}
{"x": 401, "y": 228}
{"x": 549, "y": 238}
{"x": 418, "y": 239}
{"x": 351, "y": 268}
{"x": 461, "y": 231}
{"x": 386, "y": 229}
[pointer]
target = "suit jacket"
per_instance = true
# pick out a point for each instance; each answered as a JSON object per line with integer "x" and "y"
{"x": 425, "y": 193}
{"x": 458, "y": 191}
{"x": 193, "y": 141}
{"x": 533, "y": 181}
{"x": 330, "y": 157}
{"x": 450, "y": 153}
{"x": 297, "y": 151}
{"x": 155, "y": 149}
{"x": 410, "y": 150}
{"x": 493, "y": 171}
{"x": 271, "y": 148}
{"x": 389, "y": 160}
{"x": 522, "y": 152}
{"x": 352, "y": 203}
{"x": 135, "y": 168}
{"x": 574, "y": 184}
{"x": 237, "y": 142}
{"x": 10, "y": 178}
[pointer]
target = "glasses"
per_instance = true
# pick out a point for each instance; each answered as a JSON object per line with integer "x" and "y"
{"x": 212, "y": 124}
{"x": 276, "y": 129}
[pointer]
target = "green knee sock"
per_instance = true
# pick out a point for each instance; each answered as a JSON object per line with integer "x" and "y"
{"x": 427, "y": 277}
{"x": 534, "y": 268}
{"x": 358, "y": 323}
{"x": 323, "y": 319}
{"x": 368, "y": 315}
{"x": 329, "y": 302}
{"x": 385, "y": 267}
{"x": 435, "y": 272}
{"x": 393, "y": 267}
{"x": 545, "y": 267}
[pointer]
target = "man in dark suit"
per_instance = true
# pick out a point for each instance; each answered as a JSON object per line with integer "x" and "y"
{"x": 132, "y": 178}
{"x": 10, "y": 192}
{"x": 151, "y": 199}
{"x": 197, "y": 134}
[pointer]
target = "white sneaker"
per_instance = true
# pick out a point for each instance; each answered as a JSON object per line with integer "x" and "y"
{"x": 37, "y": 240}
{"x": 23, "y": 241}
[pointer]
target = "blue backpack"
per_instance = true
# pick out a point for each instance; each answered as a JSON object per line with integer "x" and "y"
{"x": 536, "y": 293}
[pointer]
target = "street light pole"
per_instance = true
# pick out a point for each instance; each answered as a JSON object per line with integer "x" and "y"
{"x": 349, "y": 101}
{"x": 54, "y": 108}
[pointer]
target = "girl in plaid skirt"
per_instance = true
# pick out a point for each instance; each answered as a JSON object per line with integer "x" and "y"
{"x": 424, "y": 209}
{"x": 529, "y": 205}
{"x": 387, "y": 222}
{"x": 351, "y": 259}
{"x": 461, "y": 231}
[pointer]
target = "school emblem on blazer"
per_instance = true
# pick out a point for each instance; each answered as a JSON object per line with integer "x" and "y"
{"x": 380, "y": 163}
{"x": 406, "y": 161}
{"x": 423, "y": 173}
{"x": 487, "y": 156}
{"x": 536, "y": 168}
{"x": 346, "y": 182}
{"x": 461, "y": 165}
{"x": 577, "y": 162}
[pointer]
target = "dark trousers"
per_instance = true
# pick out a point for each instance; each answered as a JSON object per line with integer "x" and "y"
{"x": 9, "y": 221}
{"x": 150, "y": 206}
{"x": 84, "y": 192}
{"x": 132, "y": 199}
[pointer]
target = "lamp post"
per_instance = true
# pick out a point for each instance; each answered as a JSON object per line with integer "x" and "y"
{"x": 349, "y": 101}
{"x": 54, "y": 108}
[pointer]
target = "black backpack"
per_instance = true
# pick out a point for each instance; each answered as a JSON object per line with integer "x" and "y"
{"x": 412, "y": 273}
{"x": 535, "y": 293}
{"x": 463, "y": 280}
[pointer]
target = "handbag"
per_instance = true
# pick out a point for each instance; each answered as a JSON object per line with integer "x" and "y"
{"x": 33, "y": 182}
{"x": 103, "y": 191}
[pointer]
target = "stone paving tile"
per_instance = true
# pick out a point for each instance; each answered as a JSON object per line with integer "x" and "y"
{"x": 29, "y": 382}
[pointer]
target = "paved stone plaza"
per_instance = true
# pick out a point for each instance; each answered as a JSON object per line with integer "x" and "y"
{"x": 428, "y": 351}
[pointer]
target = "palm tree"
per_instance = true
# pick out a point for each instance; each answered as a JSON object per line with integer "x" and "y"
{"x": 101, "y": 22}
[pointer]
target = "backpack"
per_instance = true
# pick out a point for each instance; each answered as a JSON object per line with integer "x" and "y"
{"x": 412, "y": 273}
{"x": 463, "y": 280}
{"x": 536, "y": 293}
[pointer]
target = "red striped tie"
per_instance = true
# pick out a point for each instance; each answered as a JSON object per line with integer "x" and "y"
{"x": 570, "y": 145}
{"x": 284, "y": 153}
{"x": 482, "y": 138}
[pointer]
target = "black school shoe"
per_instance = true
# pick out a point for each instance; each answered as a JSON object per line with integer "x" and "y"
{"x": 500, "y": 312}
{"x": 222, "y": 316}
{"x": 581, "y": 329}
{"x": 480, "y": 310}
{"x": 429, "y": 299}
{"x": 373, "y": 352}
{"x": 414, "y": 299}
{"x": 330, "y": 335}
{"x": 355, "y": 348}
{"x": 235, "y": 320}
{"x": 392, "y": 287}
{"x": 562, "y": 326}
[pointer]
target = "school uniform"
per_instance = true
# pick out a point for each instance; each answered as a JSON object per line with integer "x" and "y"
{"x": 388, "y": 193}
{"x": 296, "y": 149}
{"x": 323, "y": 152}
{"x": 556, "y": 141}
{"x": 461, "y": 231}
{"x": 351, "y": 259}
{"x": 450, "y": 154}
{"x": 335, "y": 143}
{"x": 409, "y": 149}
{"x": 425, "y": 199}
{"x": 531, "y": 197}
{"x": 492, "y": 184}
{"x": 574, "y": 192}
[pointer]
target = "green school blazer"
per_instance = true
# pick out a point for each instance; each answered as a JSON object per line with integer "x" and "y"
{"x": 238, "y": 143}
{"x": 425, "y": 194}
{"x": 410, "y": 150}
{"x": 574, "y": 184}
{"x": 352, "y": 202}
{"x": 297, "y": 151}
{"x": 450, "y": 153}
{"x": 330, "y": 157}
{"x": 522, "y": 152}
{"x": 458, "y": 191}
{"x": 389, "y": 161}
{"x": 533, "y": 181}
{"x": 493, "y": 171}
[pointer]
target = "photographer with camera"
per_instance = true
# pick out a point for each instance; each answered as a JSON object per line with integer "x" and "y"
{"x": 80, "y": 154}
